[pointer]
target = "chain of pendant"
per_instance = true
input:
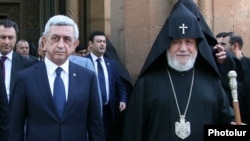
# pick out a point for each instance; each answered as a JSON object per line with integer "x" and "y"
{"x": 190, "y": 93}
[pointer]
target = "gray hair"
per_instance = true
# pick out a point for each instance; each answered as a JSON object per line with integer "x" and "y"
{"x": 61, "y": 20}
{"x": 40, "y": 41}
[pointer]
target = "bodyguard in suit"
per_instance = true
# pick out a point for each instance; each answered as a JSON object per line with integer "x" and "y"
{"x": 4, "y": 117}
{"x": 59, "y": 98}
{"x": 13, "y": 62}
{"x": 114, "y": 96}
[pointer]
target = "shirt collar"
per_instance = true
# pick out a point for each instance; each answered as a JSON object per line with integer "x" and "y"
{"x": 95, "y": 57}
{"x": 51, "y": 66}
{"x": 9, "y": 55}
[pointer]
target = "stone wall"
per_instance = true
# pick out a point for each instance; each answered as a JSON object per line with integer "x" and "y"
{"x": 232, "y": 15}
{"x": 144, "y": 19}
{"x": 133, "y": 25}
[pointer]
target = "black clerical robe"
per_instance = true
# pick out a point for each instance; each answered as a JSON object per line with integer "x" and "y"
{"x": 244, "y": 92}
{"x": 231, "y": 63}
{"x": 152, "y": 111}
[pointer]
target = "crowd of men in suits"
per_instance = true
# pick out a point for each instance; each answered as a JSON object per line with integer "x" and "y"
{"x": 39, "y": 103}
{"x": 61, "y": 96}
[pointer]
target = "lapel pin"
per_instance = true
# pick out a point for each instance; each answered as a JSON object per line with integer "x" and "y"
{"x": 74, "y": 74}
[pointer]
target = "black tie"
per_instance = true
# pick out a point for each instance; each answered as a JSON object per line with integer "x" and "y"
{"x": 101, "y": 79}
{"x": 59, "y": 92}
{"x": 3, "y": 59}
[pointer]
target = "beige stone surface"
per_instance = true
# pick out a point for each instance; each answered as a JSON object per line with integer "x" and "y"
{"x": 143, "y": 20}
{"x": 232, "y": 15}
{"x": 132, "y": 25}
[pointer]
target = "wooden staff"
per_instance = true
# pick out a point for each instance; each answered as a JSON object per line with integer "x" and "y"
{"x": 233, "y": 85}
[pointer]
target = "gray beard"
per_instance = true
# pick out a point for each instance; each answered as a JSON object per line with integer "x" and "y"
{"x": 173, "y": 63}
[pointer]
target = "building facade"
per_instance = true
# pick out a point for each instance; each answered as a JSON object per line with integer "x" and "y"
{"x": 131, "y": 25}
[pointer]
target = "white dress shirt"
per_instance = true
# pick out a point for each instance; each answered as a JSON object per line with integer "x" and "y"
{"x": 8, "y": 65}
{"x": 51, "y": 73}
{"x": 102, "y": 61}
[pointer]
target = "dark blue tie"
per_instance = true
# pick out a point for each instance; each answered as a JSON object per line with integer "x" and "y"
{"x": 101, "y": 79}
{"x": 59, "y": 92}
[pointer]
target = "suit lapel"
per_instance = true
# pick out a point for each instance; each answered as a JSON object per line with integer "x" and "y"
{"x": 14, "y": 68}
{"x": 109, "y": 69}
{"x": 72, "y": 92}
{"x": 43, "y": 83}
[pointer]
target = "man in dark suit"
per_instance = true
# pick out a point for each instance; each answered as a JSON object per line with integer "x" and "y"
{"x": 115, "y": 95}
{"x": 4, "y": 117}
{"x": 23, "y": 48}
{"x": 70, "y": 112}
{"x": 234, "y": 44}
{"x": 13, "y": 62}
{"x": 82, "y": 61}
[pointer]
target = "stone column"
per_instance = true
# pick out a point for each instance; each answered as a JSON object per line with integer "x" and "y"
{"x": 72, "y": 10}
{"x": 107, "y": 18}
{"x": 206, "y": 8}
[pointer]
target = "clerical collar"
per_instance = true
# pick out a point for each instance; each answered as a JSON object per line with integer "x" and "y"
{"x": 179, "y": 73}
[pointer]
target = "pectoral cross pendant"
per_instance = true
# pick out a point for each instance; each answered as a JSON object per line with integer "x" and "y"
{"x": 182, "y": 128}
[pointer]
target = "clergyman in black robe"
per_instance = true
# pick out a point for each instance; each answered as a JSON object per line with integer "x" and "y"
{"x": 163, "y": 96}
{"x": 229, "y": 63}
{"x": 244, "y": 100}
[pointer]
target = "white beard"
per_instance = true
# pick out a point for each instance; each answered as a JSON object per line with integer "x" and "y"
{"x": 173, "y": 63}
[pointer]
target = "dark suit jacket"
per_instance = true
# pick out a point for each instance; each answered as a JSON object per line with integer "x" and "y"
{"x": 117, "y": 90}
{"x": 32, "y": 99}
{"x": 18, "y": 63}
{"x": 33, "y": 58}
{"x": 4, "y": 117}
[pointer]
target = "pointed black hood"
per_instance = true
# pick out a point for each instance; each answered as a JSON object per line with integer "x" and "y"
{"x": 190, "y": 5}
{"x": 180, "y": 24}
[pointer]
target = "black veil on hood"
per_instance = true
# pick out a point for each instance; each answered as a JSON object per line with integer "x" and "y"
{"x": 179, "y": 16}
{"x": 111, "y": 53}
{"x": 122, "y": 70}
